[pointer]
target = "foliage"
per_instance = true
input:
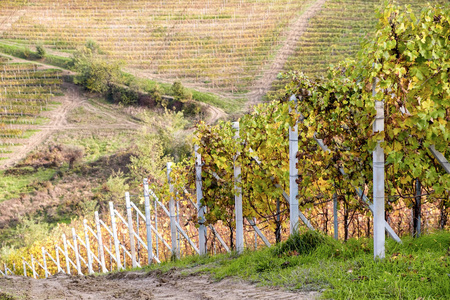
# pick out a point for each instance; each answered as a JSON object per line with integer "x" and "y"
{"x": 54, "y": 156}
{"x": 179, "y": 92}
{"x": 412, "y": 80}
{"x": 416, "y": 269}
{"x": 166, "y": 141}
{"x": 25, "y": 234}
{"x": 300, "y": 243}
{"x": 40, "y": 51}
{"x": 95, "y": 73}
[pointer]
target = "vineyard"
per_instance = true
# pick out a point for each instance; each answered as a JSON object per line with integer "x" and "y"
{"x": 214, "y": 44}
{"x": 300, "y": 159}
{"x": 360, "y": 153}
{"x": 335, "y": 34}
{"x": 26, "y": 91}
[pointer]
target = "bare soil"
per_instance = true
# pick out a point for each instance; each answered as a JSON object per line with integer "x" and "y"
{"x": 141, "y": 285}
{"x": 73, "y": 98}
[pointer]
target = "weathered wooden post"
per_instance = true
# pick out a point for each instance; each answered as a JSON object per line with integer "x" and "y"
{"x": 147, "y": 222}
{"x": 114, "y": 231}
{"x": 293, "y": 175}
{"x": 131, "y": 230}
{"x": 201, "y": 209}
{"x": 173, "y": 225}
{"x": 100, "y": 243}
{"x": 238, "y": 198}
{"x": 378, "y": 182}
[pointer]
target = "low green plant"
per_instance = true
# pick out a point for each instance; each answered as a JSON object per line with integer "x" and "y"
{"x": 40, "y": 51}
{"x": 4, "y": 296}
{"x": 415, "y": 269}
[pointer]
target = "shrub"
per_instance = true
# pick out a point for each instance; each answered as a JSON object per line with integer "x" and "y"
{"x": 95, "y": 73}
{"x": 180, "y": 93}
{"x": 26, "y": 52}
{"x": 300, "y": 243}
{"x": 40, "y": 51}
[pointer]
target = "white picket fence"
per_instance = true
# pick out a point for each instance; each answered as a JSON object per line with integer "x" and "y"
{"x": 154, "y": 243}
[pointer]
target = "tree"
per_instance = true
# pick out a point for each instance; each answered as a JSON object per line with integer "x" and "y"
{"x": 95, "y": 72}
{"x": 179, "y": 92}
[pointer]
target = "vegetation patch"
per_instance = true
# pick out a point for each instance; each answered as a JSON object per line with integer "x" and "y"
{"x": 416, "y": 269}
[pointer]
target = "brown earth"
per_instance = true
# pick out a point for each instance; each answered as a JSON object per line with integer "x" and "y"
{"x": 141, "y": 285}
{"x": 73, "y": 98}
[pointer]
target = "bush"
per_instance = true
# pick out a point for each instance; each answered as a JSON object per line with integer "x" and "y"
{"x": 180, "y": 93}
{"x": 26, "y": 52}
{"x": 299, "y": 244}
{"x": 95, "y": 73}
{"x": 40, "y": 51}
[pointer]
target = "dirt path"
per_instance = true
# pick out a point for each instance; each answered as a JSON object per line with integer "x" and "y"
{"x": 72, "y": 99}
{"x": 215, "y": 114}
{"x": 143, "y": 286}
{"x": 263, "y": 85}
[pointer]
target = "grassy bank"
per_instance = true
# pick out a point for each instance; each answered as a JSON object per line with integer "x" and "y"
{"x": 24, "y": 52}
{"x": 417, "y": 269}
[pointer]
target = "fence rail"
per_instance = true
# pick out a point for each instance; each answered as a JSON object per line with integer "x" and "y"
{"x": 129, "y": 244}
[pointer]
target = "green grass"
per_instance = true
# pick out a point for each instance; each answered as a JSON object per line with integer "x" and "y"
{"x": 12, "y": 186}
{"x": 417, "y": 269}
{"x": 25, "y": 53}
{"x": 96, "y": 146}
{"x": 229, "y": 105}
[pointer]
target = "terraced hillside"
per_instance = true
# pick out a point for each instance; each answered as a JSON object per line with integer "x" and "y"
{"x": 220, "y": 45}
{"x": 26, "y": 91}
{"x": 335, "y": 34}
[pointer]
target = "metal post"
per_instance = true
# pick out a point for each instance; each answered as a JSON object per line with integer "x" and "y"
{"x": 201, "y": 209}
{"x": 45, "y": 262}
{"x": 32, "y": 266}
{"x": 293, "y": 175}
{"x": 238, "y": 198}
{"x": 156, "y": 228}
{"x": 100, "y": 243}
{"x": 378, "y": 183}
{"x": 147, "y": 222}
{"x": 131, "y": 230}
{"x": 173, "y": 225}
{"x": 178, "y": 221}
{"x": 58, "y": 263}
{"x": 417, "y": 209}
{"x": 335, "y": 217}
{"x": 124, "y": 253}
{"x": 24, "y": 268}
{"x": 138, "y": 250}
{"x": 256, "y": 236}
{"x": 88, "y": 247}
{"x": 114, "y": 230}
{"x": 66, "y": 255}
{"x": 75, "y": 248}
